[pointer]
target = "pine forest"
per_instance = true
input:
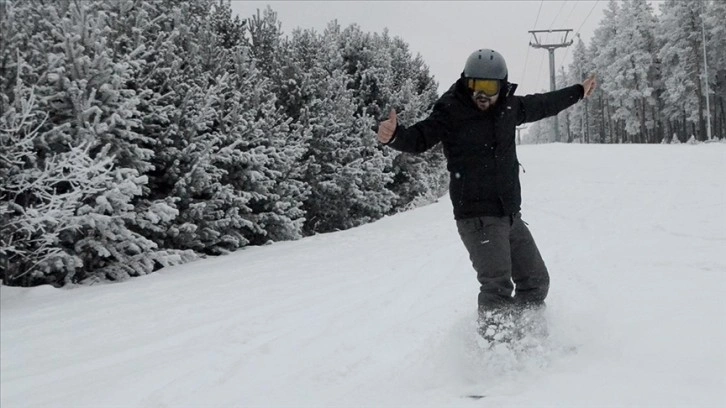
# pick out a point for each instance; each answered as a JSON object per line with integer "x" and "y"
{"x": 136, "y": 135}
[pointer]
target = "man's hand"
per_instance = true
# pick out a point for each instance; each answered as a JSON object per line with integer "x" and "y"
{"x": 387, "y": 127}
{"x": 590, "y": 84}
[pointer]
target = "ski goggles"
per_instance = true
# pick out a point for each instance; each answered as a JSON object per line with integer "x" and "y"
{"x": 488, "y": 87}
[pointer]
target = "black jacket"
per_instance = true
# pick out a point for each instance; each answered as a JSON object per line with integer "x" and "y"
{"x": 480, "y": 146}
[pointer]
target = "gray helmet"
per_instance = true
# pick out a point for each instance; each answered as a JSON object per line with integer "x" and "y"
{"x": 486, "y": 64}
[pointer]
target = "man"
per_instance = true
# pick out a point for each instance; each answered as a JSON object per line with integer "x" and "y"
{"x": 476, "y": 122}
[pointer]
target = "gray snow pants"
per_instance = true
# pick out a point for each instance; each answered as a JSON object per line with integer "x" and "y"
{"x": 504, "y": 256}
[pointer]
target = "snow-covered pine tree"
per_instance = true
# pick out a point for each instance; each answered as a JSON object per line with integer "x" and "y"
{"x": 580, "y": 68}
{"x": 344, "y": 166}
{"x": 632, "y": 70}
{"x": 277, "y": 82}
{"x": 605, "y": 51}
{"x": 65, "y": 213}
{"x": 293, "y": 82}
{"x": 269, "y": 152}
{"x": 25, "y": 36}
{"x": 166, "y": 68}
{"x": 716, "y": 51}
{"x": 345, "y": 170}
{"x": 138, "y": 36}
{"x": 563, "y": 118}
{"x": 98, "y": 100}
{"x": 156, "y": 39}
{"x": 94, "y": 96}
{"x": 385, "y": 75}
{"x": 233, "y": 168}
{"x": 265, "y": 41}
{"x": 278, "y": 207}
{"x": 342, "y": 65}
{"x": 230, "y": 29}
{"x": 33, "y": 211}
{"x": 90, "y": 106}
{"x": 596, "y": 104}
{"x": 681, "y": 51}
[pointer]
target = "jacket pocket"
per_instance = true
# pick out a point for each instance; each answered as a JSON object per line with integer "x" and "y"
{"x": 469, "y": 226}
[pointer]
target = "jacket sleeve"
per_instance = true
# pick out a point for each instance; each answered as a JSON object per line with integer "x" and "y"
{"x": 423, "y": 135}
{"x": 539, "y": 106}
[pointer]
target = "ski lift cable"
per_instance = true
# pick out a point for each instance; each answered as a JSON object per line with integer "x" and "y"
{"x": 586, "y": 17}
{"x": 572, "y": 10}
{"x": 567, "y": 22}
{"x": 577, "y": 33}
{"x": 526, "y": 56}
{"x": 558, "y": 14}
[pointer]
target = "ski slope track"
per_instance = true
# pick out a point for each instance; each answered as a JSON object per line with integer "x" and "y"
{"x": 383, "y": 315}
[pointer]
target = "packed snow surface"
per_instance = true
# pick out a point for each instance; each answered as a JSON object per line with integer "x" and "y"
{"x": 383, "y": 315}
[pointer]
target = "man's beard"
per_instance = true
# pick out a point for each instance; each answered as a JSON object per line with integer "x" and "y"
{"x": 482, "y": 101}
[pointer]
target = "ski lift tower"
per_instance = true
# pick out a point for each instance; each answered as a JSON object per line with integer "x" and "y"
{"x": 551, "y": 48}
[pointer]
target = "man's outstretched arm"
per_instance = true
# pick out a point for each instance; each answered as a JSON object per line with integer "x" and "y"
{"x": 540, "y": 106}
{"x": 415, "y": 139}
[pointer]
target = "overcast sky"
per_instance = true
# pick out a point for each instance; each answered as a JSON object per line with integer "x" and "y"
{"x": 446, "y": 32}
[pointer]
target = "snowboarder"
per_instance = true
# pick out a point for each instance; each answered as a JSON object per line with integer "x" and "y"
{"x": 476, "y": 120}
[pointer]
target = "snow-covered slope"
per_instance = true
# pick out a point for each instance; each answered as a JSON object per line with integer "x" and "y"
{"x": 383, "y": 315}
